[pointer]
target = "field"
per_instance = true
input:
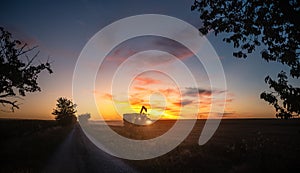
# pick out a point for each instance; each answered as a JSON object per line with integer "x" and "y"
{"x": 245, "y": 145}
{"x": 26, "y": 145}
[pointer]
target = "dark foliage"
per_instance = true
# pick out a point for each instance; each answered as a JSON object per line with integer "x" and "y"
{"x": 18, "y": 74}
{"x": 65, "y": 111}
{"x": 289, "y": 96}
{"x": 272, "y": 25}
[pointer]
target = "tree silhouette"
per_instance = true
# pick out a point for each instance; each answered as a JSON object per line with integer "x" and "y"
{"x": 271, "y": 25}
{"x": 65, "y": 111}
{"x": 288, "y": 94}
{"x": 18, "y": 74}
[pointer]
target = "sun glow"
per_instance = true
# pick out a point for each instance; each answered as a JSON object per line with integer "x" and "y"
{"x": 160, "y": 95}
{"x": 154, "y": 79}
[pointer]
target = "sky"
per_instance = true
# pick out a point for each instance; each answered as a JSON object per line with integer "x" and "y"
{"x": 61, "y": 30}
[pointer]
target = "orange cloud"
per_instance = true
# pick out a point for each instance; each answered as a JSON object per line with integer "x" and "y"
{"x": 107, "y": 96}
{"x": 169, "y": 91}
{"x": 137, "y": 101}
{"x": 172, "y": 104}
{"x": 146, "y": 80}
{"x": 137, "y": 88}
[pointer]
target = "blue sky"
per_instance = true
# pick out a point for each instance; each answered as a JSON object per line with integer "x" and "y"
{"x": 61, "y": 29}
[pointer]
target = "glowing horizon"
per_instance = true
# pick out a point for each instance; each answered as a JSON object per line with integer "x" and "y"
{"x": 158, "y": 91}
{"x": 64, "y": 42}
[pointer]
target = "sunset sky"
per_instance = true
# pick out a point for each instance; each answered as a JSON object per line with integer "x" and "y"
{"x": 61, "y": 30}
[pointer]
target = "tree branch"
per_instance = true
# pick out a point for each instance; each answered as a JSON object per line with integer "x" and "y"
{"x": 28, "y": 50}
{"x": 6, "y": 95}
{"x": 12, "y": 103}
{"x": 30, "y": 60}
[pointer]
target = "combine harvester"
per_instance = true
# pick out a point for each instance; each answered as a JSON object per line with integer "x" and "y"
{"x": 137, "y": 118}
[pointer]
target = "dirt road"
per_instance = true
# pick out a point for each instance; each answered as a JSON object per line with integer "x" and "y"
{"x": 78, "y": 154}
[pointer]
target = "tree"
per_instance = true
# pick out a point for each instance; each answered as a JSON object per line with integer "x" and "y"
{"x": 65, "y": 111}
{"x": 289, "y": 96}
{"x": 270, "y": 25}
{"x": 18, "y": 74}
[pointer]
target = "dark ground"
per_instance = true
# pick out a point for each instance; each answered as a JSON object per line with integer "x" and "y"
{"x": 261, "y": 145}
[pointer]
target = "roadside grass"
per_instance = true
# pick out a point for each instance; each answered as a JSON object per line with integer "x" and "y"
{"x": 26, "y": 145}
